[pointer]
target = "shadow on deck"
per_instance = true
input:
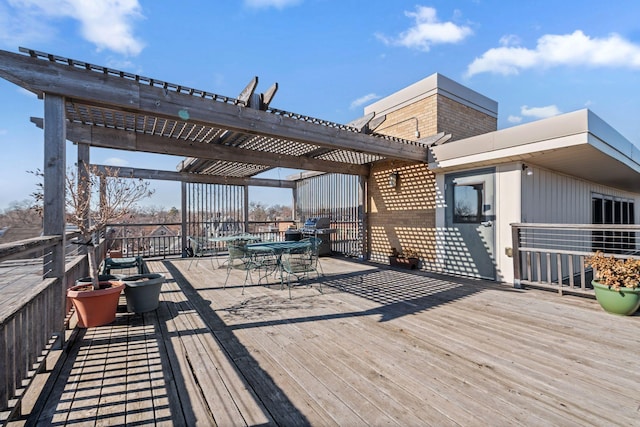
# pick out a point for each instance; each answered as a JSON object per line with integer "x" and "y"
{"x": 378, "y": 346}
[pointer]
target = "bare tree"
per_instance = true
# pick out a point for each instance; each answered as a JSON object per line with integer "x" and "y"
{"x": 95, "y": 198}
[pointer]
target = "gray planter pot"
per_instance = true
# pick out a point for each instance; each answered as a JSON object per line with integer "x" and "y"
{"x": 143, "y": 291}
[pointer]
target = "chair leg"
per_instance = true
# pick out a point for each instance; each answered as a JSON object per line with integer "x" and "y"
{"x": 247, "y": 276}
{"x": 225, "y": 280}
{"x": 245, "y": 280}
{"x": 194, "y": 258}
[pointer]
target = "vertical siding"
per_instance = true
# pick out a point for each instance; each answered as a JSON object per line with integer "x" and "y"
{"x": 553, "y": 198}
{"x": 550, "y": 197}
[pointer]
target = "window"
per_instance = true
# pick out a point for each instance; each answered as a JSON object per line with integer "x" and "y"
{"x": 468, "y": 203}
{"x": 612, "y": 210}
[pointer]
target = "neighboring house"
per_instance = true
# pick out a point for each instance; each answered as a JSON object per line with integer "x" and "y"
{"x": 164, "y": 230}
{"x": 457, "y": 210}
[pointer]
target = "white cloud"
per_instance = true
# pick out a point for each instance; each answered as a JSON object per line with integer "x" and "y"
{"x": 3, "y": 132}
{"x": 576, "y": 49}
{"x": 427, "y": 31}
{"x": 514, "y": 119}
{"x": 363, "y": 100}
{"x": 106, "y": 23}
{"x": 116, "y": 161}
{"x": 265, "y": 4}
{"x": 540, "y": 112}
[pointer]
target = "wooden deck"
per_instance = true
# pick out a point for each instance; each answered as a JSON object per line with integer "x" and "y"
{"x": 378, "y": 347}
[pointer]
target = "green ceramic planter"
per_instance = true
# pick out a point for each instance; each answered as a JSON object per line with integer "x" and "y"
{"x": 624, "y": 302}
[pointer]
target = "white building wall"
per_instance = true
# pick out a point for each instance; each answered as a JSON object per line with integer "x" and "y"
{"x": 532, "y": 195}
{"x": 551, "y": 197}
{"x": 508, "y": 185}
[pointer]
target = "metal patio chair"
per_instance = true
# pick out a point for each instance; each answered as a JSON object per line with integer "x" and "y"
{"x": 198, "y": 244}
{"x": 240, "y": 259}
{"x": 299, "y": 264}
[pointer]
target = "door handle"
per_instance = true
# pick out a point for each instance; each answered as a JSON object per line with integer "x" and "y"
{"x": 487, "y": 223}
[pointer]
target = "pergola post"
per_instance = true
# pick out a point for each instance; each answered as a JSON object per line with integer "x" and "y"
{"x": 183, "y": 213}
{"x": 53, "y": 204}
{"x": 363, "y": 210}
{"x": 246, "y": 208}
{"x": 294, "y": 212}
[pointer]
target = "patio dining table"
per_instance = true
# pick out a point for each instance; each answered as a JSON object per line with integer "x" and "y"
{"x": 277, "y": 247}
{"x": 235, "y": 237}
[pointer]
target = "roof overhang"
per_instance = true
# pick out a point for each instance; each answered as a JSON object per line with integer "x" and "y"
{"x": 578, "y": 144}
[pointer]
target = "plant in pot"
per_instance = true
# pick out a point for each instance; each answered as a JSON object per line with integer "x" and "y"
{"x": 616, "y": 283}
{"x": 94, "y": 198}
{"x": 409, "y": 258}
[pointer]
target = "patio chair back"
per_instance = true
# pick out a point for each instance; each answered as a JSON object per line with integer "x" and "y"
{"x": 315, "y": 252}
{"x": 240, "y": 259}
{"x": 299, "y": 264}
{"x": 198, "y": 245}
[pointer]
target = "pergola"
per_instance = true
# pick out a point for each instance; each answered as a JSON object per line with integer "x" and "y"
{"x": 224, "y": 140}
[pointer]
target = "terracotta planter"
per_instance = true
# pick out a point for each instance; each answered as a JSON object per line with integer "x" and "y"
{"x": 101, "y": 278}
{"x": 410, "y": 263}
{"x": 143, "y": 292}
{"x": 96, "y": 308}
{"x": 624, "y": 301}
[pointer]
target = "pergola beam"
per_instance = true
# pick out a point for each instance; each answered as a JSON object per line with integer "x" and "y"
{"x": 163, "y": 175}
{"x": 128, "y": 94}
{"x": 135, "y": 141}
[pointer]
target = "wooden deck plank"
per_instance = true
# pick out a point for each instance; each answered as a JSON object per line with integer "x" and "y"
{"x": 113, "y": 379}
{"x": 379, "y": 346}
{"x": 439, "y": 326}
{"x": 166, "y": 408}
{"x": 551, "y": 373}
{"x": 331, "y": 353}
{"x": 542, "y": 371}
{"x": 138, "y": 378}
{"x": 188, "y": 391}
{"x": 328, "y": 340}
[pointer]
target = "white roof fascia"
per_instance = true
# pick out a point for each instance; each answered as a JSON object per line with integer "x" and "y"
{"x": 524, "y": 139}
{"x": 517, "y": 152}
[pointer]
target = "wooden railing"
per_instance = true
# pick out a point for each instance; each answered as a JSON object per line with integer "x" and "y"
{"x": 33, "y": 323}
{"x": 553, "y": 256}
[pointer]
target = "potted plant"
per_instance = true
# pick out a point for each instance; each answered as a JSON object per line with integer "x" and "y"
{"x": 408, "y": 258}
{"x": 616, "y": 283}
{"x": 94, "y": 198}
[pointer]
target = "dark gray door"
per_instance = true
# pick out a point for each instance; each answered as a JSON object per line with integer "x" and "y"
{"x": 470, "y": 224}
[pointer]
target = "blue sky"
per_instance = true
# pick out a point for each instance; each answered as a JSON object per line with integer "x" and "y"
{"x": 330, "y": 59}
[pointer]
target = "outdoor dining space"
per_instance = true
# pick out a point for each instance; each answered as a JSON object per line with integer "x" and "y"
{"x": 379, "y": 346}
{"x": 266, "y": 332}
